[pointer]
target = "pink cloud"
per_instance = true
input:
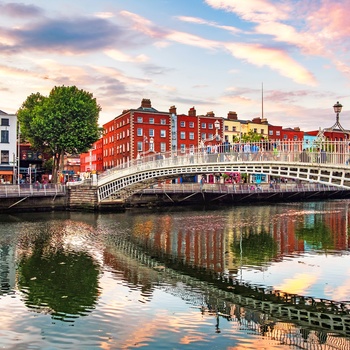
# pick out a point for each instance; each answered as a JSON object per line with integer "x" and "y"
{"x": 276, "y": 59}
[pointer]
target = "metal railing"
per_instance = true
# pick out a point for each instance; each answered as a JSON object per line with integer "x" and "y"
{"x": 325, "y": 163}
{"x": 239, "y": 188}
{"x": 324, "y": 152}
{"x": 32, "y": 190}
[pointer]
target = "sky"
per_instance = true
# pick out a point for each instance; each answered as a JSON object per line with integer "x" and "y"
{"x": 287, "y": 61}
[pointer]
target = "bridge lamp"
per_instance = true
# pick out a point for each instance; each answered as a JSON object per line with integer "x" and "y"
{"x": 151, "y": 144}
{"x": 337, "y": 109}
{"x": 217, "y": 127}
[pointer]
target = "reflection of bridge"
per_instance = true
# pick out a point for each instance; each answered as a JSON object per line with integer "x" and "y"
{"x": 325, "y": 163}
{"x": 302, "y": 315}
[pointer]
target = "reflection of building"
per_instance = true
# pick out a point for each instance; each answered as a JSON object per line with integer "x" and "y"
{"x": 8, "y": 268}
{"x": 194, "y": 241}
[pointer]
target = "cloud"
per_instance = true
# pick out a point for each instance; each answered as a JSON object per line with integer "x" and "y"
{"x": 80, "y": 34}
{"x": 253, "y": 10}
{"x": 196, "y": 20}
{"x": 143, "y": 25}
{"x": 123, "y": 57}
{"x": 276, "y": 59}
{"x": 19, "y": 10}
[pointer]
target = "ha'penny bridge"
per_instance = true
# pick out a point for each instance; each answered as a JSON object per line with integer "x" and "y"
{"x": 324, "y": 163}
{"x": 292, "y": 319}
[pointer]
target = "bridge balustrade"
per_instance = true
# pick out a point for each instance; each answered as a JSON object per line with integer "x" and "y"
{"x": 325, "y": 162}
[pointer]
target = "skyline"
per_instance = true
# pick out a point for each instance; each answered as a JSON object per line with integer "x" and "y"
{"x": 213, "y": 55}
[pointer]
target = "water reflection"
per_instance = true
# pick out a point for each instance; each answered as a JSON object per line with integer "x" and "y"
{"x": 164, "y": 280}
{"x": 54, "y": 274}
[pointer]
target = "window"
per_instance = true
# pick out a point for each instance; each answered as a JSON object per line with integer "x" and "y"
{"x": 191, "y": 135}
{"x": 151, "y": 132}
{"x": 204, "y": 125}
{"x": 285, "y": 136}
{"x": 233, "y": 128}
{"x": 203, "y": 136}
{"x": 163, "y": 121}
{"x": 183, "y": 124}
{"x": 210, "y": 126}
{"x": 262, "y": 131}
{"x": 182, "y": 135}
{"x": 162, "y": 133}
{"x": 278, "y": 133}
{"x": 226, "y": 127}
{"x": 139, "y": 146}
{"x": 151, "y": 120}
{"x": 182, "y": 148}
{"x": 4, "y": 136}
{"x": 255, "y": 130}
{"x": 5, "y": 122}
{"x": 270, "y": 132}
{"x": 139, "y": 132}
{"x": 5, "y": 157}
{"x": 295, "y": 137}
{"x": 191, "y": 125}
{"x": 139, "y": 119}
{"x": 163, "y": 147}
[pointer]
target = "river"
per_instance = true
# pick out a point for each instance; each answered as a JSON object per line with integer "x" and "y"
{"x": 175, "y": 278}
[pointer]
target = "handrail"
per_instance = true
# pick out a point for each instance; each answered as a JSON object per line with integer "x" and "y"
{"x": 23, "y": 190}
{"x": 299, "y": 152}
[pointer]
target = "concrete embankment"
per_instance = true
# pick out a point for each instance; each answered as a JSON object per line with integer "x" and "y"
{"x": 84, "y": 198}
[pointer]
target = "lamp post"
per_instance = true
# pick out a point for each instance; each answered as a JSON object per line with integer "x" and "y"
{"x": 145, "y": 140}
{"x": 337, "y": 109}
{"x": 151, "y": 144}
{"x": 217, "y": 127}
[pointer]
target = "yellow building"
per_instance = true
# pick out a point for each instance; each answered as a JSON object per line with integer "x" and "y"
{"x": 235, "y": 128}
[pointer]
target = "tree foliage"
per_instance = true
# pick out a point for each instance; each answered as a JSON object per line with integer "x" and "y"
{"x": 65, "y": 122}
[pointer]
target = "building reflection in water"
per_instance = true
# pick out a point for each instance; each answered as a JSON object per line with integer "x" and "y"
{"x": 250, "y": 236}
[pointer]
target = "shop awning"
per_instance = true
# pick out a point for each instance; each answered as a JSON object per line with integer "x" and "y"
{"x": 6, "y": 172}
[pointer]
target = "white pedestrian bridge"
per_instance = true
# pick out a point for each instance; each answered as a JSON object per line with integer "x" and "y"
{"x": 325, "y": 162}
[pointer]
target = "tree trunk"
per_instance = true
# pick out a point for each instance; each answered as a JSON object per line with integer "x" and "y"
{"x": 55, "y": 169}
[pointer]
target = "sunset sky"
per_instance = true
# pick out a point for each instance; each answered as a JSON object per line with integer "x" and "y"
{"x": 215, "y": 55}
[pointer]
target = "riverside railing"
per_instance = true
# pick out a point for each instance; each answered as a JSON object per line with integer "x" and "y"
{"x": 27, "y": 190}
{"x": 240, "y": 188}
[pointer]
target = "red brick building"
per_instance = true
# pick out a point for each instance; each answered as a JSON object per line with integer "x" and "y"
{"x": 134, "y": 132}
{"x": 92, "y": 161}
{"x": 290, "y": 134}
{"x": 184, "y": 130}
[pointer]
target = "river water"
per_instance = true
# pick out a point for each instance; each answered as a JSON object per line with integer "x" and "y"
{"x": 168, "y": 279}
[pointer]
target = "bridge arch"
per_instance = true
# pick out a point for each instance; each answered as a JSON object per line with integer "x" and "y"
{"x": 130, "y": 178}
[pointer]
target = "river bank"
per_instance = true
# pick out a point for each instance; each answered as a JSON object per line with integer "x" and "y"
{"x": 84, "y": 198}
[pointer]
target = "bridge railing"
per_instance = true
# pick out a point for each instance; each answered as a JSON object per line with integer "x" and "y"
{"x": 325, "y": 152}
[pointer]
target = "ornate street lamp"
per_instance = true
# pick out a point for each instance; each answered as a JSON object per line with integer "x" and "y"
{"x": 337, "y": 109}
{"x": 217, "y": 127}
{"x": 151, "y": 144}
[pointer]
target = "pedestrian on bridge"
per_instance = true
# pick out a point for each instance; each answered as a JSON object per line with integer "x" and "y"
{"x": 304, "y": 157}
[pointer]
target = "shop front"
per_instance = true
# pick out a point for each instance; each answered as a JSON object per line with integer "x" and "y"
{"x": 6, "y": 176}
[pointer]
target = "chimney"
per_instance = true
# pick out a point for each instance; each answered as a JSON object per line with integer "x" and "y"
{"x": 146, "y": 103}
{"x": 210, "y": 114}
{"x": 296, "y": 128}
{"x": 172, "y": 110}
{"x": 232, "y": 115}
{"x": 256, "y": 120}
{"x": 192, "y": 112}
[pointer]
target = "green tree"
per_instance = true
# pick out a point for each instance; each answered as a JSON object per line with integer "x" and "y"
{"x": 65, "y": 122}
{"x": 252, "y": 136}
